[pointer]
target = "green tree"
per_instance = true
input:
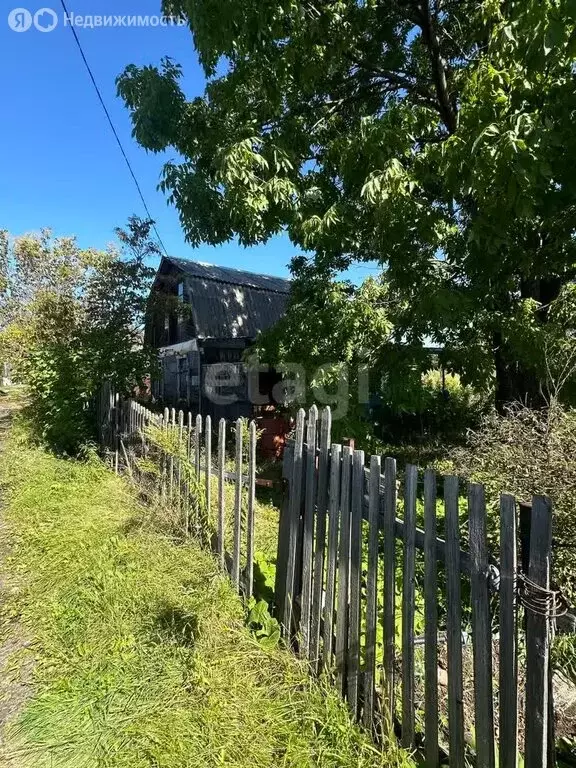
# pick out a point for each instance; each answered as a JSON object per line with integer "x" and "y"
{"x": 433, "y": 137}
{"x": 72, "y": 318}
{"x": 337, "y": 334}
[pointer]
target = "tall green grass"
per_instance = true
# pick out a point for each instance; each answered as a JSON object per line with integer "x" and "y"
{"x": 141, "y": 657}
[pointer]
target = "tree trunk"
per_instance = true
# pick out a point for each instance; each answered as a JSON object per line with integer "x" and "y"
{"x": 515, "y": 383}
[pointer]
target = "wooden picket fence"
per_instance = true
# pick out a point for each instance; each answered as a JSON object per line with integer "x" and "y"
{"x": 340, "y": 544}
{"x": 187, "y": 468}
{"x": 339, "y": 595}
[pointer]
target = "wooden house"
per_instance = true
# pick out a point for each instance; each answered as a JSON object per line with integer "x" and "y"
{"x": 202, "y": 316}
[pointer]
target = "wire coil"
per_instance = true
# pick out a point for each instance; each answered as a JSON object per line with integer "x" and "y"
{"x": 549, "y": 603}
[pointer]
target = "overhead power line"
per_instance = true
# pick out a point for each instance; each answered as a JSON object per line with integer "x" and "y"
{"x": 112, "y": 127}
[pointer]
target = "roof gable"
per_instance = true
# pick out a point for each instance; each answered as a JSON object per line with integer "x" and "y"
{"x": 230, "y": 303}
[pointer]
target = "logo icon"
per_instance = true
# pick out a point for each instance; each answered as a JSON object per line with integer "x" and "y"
{"x": 45, "y": 20}
{"x": 20, "y": 20}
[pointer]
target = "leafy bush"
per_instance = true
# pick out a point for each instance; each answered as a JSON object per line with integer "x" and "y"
{"x": 527, "y": 452}
{"x": 428, "y": 405}
{"x": 71, "y": 318}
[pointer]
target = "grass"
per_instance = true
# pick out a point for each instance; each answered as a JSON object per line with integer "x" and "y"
{"x": 141, "y": 656}
{"x": 266, "y": 513}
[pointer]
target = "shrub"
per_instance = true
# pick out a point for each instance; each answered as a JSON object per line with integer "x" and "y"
{"x": 429, "y": 405}
{"x": 71, "y": 318}
{"x": 527, "y": 452}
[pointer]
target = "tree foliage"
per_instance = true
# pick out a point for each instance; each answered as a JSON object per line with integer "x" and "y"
{"x": 71, "y": 318}
{"x": 433, "y": 137}
{"x": 336, "y": 333}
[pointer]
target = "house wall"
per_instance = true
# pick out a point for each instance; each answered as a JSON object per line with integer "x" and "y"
{"x": 183, "y": 372}
{"x": 178, "y": 383}
{"x": 164, "y": 325}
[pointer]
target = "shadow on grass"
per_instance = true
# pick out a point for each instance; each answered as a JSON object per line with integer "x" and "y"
{"x": 177, "y": 627}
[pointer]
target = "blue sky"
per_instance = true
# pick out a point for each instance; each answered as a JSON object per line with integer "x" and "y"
{"x": 59, "y": 164}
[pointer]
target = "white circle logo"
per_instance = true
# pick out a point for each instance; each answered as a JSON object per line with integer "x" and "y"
{"x": 20, "y": 20}
{"x": 45, "y": 20}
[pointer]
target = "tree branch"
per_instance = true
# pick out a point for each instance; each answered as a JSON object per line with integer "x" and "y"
{"x": 439, "y": 70}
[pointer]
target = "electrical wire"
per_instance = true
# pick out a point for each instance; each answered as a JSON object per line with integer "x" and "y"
{"x": 112, "y": 127}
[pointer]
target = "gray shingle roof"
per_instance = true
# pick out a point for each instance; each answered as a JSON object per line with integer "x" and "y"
{"x": 230, "y": 303}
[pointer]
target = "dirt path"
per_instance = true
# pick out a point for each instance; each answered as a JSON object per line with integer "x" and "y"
{"x": 15, "y": 678}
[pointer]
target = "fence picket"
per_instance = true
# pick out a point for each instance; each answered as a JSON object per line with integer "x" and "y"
{"x": 331, "y": 554}
{"x": 372, "y": 592}
{"x": 308, "y": 532}
{"x": 180, "y": 496}
{"x": 508, "y": 665}
{"x": 116, "y": 432}
{"x": 355, "y": 580}
{"x": 171, "y": 466}
{"x": 431, "y": 621}
{"x": 343, "y": 569}
{"x": 221, "y": 494}
{"x": 389, "y": 589}
{"x": 190, "y": 503}
{"x": 321, "y": 515}
{"x": 481, "y": 628}
{"x": 208, "y": 468}
{"x": 251, "y": 508}
{"x": 237, "y": 508}
{"x": 164, "y": 456}
{"x": 190, "y": 433}
{"x": 454, "y": 625}
{"x": 142, "y": 429}
{"x": 294, "y": 520}
{"x": 197, "y": 445}
{"x": 408, "y": 605}
{"x": 538, "y": 637}
{"x": 280, "y": 583}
